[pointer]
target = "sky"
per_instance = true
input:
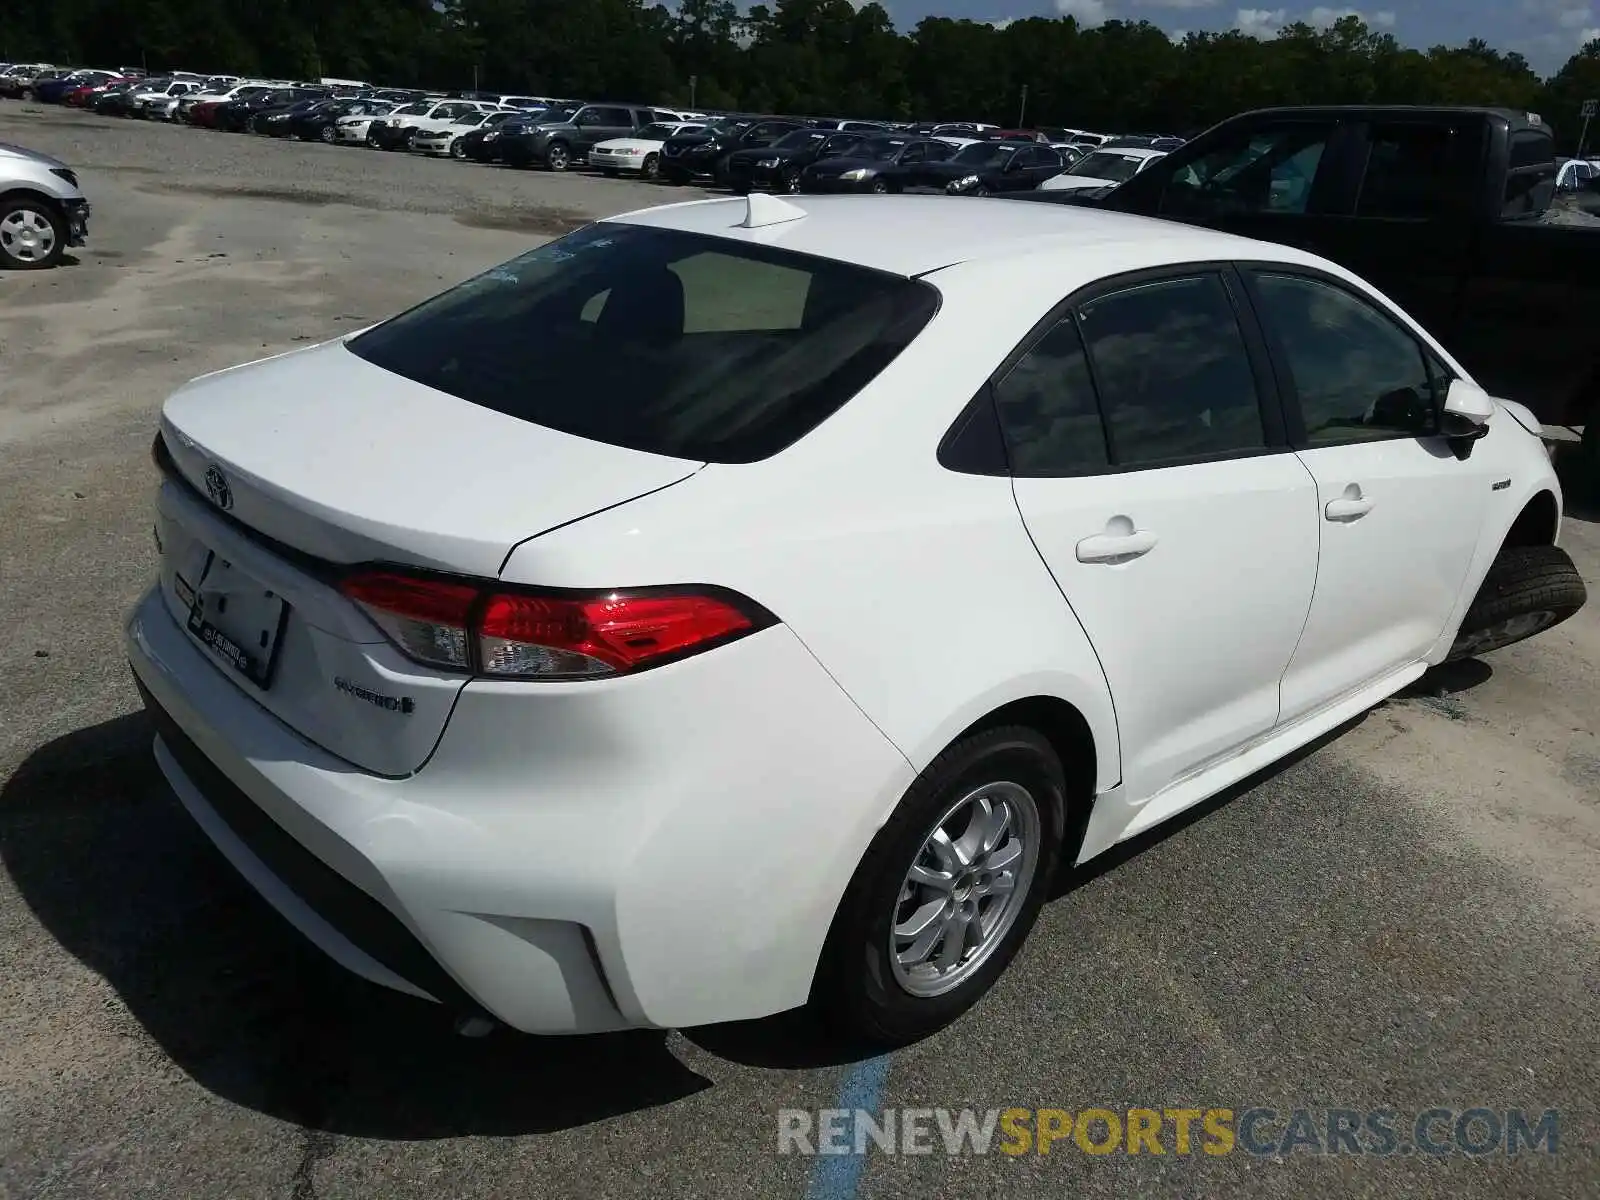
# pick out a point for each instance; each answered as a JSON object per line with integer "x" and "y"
{"x": 1546, "y": 32}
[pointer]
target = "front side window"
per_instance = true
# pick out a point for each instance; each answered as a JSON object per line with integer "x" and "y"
{"x": 1048, "y": 410}
{"x": 1174, "y": 375}
{"x": 1256, "y": 171}
{"x": 1359, "y": 375}
{"x": 672, "y": 343}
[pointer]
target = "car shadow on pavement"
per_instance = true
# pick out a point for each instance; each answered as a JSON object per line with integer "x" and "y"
{"x": 111, "y": 865}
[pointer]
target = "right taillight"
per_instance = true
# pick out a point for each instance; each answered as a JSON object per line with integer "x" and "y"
{"x": 534, "y": 634}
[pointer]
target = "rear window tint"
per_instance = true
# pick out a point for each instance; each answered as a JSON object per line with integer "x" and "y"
{"x": 672, "y": 343}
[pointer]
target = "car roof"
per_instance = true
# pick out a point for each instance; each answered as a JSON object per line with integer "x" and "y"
{"x": 912, "y": 235}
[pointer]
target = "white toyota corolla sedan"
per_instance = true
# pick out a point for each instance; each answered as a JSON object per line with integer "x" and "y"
{"x": 747, "y": 603}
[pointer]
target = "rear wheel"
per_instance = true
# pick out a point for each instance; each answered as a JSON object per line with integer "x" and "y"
{"x": 651, "y": 167}
{"x": 1527, "y": 590}
{"x": 948, "y": 889}
{"x": 33, "y": 234}
{"x": 328, "y": 135}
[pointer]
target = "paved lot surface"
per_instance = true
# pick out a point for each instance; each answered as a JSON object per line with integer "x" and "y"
{"x": 1406, "y": 917}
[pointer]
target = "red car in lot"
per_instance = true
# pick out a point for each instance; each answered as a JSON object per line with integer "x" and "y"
{"x": 79, "y": 97}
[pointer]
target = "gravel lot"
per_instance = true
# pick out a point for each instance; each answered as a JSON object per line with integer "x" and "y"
{"x": 1406, "y": 916}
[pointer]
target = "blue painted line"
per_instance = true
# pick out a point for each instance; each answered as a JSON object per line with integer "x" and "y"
{"x": 836, "y": 1176}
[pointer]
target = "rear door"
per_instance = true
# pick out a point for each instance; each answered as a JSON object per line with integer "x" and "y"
{"x": 600, "y": 123}
{"x": 1398, "y": 514}
{"x": 1031, "y": 166}
{"x": 1407, "y": 224}
{"x": 1153, "y": 474}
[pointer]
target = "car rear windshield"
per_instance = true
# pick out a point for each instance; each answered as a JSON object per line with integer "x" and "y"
{"x": 673, "y": 343}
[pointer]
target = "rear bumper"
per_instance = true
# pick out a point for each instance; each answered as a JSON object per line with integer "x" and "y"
{"x": 658, "y": 851}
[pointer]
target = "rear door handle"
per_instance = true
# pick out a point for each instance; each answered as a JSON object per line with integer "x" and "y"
{"x": 1348, "y": 508}
{"x": 1116, "y": 547}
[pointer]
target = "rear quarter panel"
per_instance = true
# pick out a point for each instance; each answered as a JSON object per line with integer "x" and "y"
{"x": 917, "y": 588}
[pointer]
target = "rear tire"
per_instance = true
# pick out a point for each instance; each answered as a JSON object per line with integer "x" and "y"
{"x": 1528, "y": 589}
{"x": 882, "y": 983}
{"x": 327, "y": 135}
{"x": 651, "y": 167}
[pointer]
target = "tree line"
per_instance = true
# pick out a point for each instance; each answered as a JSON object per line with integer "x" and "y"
{"x": 814, "y": 57}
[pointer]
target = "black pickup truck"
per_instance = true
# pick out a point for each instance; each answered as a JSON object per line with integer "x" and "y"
{"x": 1447, "y": 210}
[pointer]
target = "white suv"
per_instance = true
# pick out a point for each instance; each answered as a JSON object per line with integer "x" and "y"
{"x": 745, "y": 603}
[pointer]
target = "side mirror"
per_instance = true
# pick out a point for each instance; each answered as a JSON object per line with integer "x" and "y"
{"x": 1467, "y": 412}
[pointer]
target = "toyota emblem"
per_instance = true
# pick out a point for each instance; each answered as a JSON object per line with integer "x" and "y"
{"x": 217, "y": 488}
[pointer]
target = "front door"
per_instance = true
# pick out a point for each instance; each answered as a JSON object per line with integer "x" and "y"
{"x": 1399, "y": 514}
{"x": 1178, "y": 524}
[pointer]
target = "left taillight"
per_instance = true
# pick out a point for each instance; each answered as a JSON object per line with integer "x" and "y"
{"x": 527, "y": 633}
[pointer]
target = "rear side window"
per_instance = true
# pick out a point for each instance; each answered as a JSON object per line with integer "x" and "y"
{"x": 1048, "y": 410}
{"x": 672, "y": 343}
{"x": 1174, "y": 375}
{"x": 1416, "y": 172}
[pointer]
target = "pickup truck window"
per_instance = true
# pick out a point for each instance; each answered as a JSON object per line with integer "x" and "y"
{"x": 1174, "y": 376}
{"x": 1260, "y": 170}
{"x": 1531, "y": 178}
{"x": 1048, "y": 409}
{"x": 1415, "y": 172}
{"x": 1360, "y": 377}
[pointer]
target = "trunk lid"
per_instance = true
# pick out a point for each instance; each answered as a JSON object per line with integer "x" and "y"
{"x": 350, "y": 463}
{"x": 292, "y": 467}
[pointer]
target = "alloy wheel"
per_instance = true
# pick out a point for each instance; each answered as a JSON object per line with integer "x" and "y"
{"x": 965, "y": 888}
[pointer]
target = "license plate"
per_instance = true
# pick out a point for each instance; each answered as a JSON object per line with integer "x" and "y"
{"x": 234, "y": 617}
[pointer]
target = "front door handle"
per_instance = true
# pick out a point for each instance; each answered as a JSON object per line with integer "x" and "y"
{"x": 1116, "y": 547}
{"x": 1348, "y": 508}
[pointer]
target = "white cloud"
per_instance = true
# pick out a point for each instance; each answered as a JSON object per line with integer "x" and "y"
{"x": 1587, "y": 36}
{"x": 1087, "y": 12}
{"x": 1323, "y": 17}
{"x": 1002, "y": 23}
{"x": 1257, "y": 22}
{"x": 1177, "y": 36}
{"x": 1574, "y": 18}
{"x": 1179, "y": 3}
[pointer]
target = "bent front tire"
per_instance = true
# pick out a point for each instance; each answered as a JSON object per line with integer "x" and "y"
{"x": 1528, "y": 589}
{"x": 947, "y": 891}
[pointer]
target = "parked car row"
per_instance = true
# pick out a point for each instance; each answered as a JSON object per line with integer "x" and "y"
{"x": 742, "y": 152}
